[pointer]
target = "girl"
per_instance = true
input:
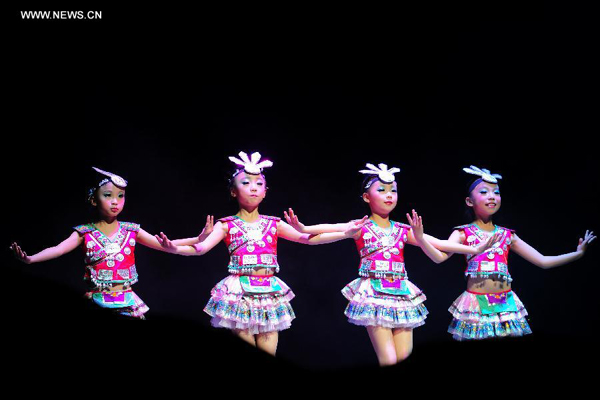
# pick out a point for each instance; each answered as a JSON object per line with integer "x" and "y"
{"x": 383, "y": 299}
{"x": 489, "y": 308}
{"x": 109, "y": 247}
{"x": 252, "y": 301}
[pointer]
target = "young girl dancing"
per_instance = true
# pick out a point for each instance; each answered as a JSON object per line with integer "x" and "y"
{"x": 383, "y": 299}
{"x": 252, "y": 301}
{"x": 109, "y": 247}
{"x": 489, "y": 308}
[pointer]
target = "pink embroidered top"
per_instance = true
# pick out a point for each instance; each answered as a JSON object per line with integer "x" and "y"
{"x": 493, "y": 261}
{"x": 381, "y": 252}
{"x": 251, "y": 245}
{"x": 109, "y": 261}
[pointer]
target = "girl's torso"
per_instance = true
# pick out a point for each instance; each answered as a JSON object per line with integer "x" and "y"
{"x": 487, "y": 272}
{"x": 110, "y": 260}
{"x": 252, "y": 246}
{"x": 382, "y": 250}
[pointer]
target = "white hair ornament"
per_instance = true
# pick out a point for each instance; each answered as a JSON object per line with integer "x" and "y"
{"x": 251, "y": 165}
{"x": 384, "y": 174}
{"x": 485, "y": 174}
{"x": 116, "y": 179}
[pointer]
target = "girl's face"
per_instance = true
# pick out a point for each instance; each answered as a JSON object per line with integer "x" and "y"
{"x": 485, "y": 199}
{"x": 382, "y": 197}
{"x": 109, "y": 200}
{"x": 249, "y": 190}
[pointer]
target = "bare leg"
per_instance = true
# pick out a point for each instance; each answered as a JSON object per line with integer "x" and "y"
{"x": 268, "y": 342}
{"x": 245, "y": 336}
{"x": 383, "y": 344}
{"x": 403, "y": 340}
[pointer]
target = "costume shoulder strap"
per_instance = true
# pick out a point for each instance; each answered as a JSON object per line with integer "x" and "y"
{"x": 401, "y": 225}
{"x": 226, "y": 219}
{"x": 130, "y": 226}
{"x": 83, "y": 229}
{"x": 507, "y": 229}
{"x": 461, "y": 227}
{"x": 271, "y": 218}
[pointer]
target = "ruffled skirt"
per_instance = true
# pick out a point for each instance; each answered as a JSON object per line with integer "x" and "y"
{"x": 470, "y": 323}
{"x": 232, "y": 308}
{"x": 370, "y": 308}
{"x": 135, "y": 310}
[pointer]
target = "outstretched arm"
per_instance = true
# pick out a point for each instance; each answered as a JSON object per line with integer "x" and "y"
{"x": 416, "y": 235}
{"x": 287, "y": 232}
{"x": 198, "y": 249}
{"x": 294, "y": 222}
{"x": 536, "y": 258}
{"x": 208, "y": 228}
{"x": 64, "y": 247}
{"x": 430, "y": 244}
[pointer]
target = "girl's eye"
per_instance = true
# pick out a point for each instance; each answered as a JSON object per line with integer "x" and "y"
{"x": 395, "y": 190}
{"x": 106, "y": 194}
{"x": 121, "y": 195}
{"x": 483, "y": 192}
{"x": 245, "y": 182}
{"x": 259, "y": 183}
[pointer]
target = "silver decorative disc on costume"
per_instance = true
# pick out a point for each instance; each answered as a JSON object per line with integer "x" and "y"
{"x": 387, "y": 255}
{"x": 254, "y": 234}
{"x": 233, "y": 231}
{"x": 490, "y": 255}
{"x": 250, "y": 248}
{"x": 112, "y": 248}
{"x": 387, "y": 241}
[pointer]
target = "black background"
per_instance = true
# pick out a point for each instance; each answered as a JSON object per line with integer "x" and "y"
{"x": 163, "y": 97}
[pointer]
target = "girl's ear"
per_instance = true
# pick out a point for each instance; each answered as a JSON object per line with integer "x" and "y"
{"x": 469, "y": 202}
{"x": 365, "y": 197}
{"x": 232, "y": 192}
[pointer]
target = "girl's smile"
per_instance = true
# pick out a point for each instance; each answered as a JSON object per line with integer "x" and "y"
{"x": 382, "y": 197}
{"x": 485, "y": 199}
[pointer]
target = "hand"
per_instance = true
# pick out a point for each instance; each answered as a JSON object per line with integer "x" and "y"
{"x": 492, "y": 240}
{"x": 208, "y": 228}
{"x": 20, "y": 254}
{"x": 353, "y": 227}
{"x": 292, "y": 219}
{"x": 583, "y": 243}
{"x": 416, "y": 224}
{"x": 167, "y": 245}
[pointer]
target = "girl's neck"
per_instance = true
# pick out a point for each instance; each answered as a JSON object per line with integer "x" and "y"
{"x": 108, "y": 222}
{"x": 382, "y": 220}
{"x": 485, "y": 224}
{"x": 248, "y": 215}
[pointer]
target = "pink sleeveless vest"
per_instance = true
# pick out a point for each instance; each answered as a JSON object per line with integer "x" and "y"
{"x": 381, "y": 252}
{"x": 251, "y": 245}
{"x": 491, "y": 262}
{"x": 110, "y": 262}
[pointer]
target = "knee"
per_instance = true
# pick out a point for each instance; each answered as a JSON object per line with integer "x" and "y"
{"x": 403, "y": 354}
{"x": 387, "y": 358}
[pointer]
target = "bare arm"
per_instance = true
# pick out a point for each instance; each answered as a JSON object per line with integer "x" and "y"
{"x": 64, "y": 247}
{"x": 530, "y": 254}
{"x": 287, "y": 232}
{"x": 295, "y": 223}
{"x": 431, "y": 246}
{"x": 198, "y": 249}
{"x": 208, "y": 228}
